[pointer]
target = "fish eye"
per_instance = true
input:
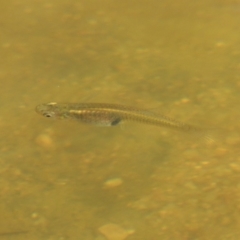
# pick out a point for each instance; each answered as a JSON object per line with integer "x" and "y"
{"x": 48, "y": 115}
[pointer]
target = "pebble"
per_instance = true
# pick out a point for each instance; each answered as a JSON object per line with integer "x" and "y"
{"x": 113, "y": 182}
{"x": 235, "y": 167}
{"x": 44, "y": 140}
{"x": 115, "y": 232}
{"x": 220, "y": 152}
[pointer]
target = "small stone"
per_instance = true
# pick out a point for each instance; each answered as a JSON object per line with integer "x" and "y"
{"x": 115, "y": 232}
{"x": 45, "y": 141}
{"x": 185, "y": 100}
{"x": 235, "y": 167}
{"x": 34, "y": 215}
{"x": 221, "y": 152}
{"x": 113, "y": 182}
{"x": 220, "y": 44}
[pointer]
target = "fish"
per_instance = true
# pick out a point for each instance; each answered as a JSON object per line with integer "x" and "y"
{"x": 107, "y": 114}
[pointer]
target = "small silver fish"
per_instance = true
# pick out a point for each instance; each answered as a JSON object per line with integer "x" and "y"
{"x": 106, "y": 114}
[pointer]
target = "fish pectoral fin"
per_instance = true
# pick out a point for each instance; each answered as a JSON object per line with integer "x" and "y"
{"x": 116, "y": 121}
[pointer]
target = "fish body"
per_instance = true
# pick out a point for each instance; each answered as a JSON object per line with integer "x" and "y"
{"x": 105, "y": 114}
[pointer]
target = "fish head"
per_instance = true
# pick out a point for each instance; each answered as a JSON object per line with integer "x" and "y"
{"x": 51, "y": 110}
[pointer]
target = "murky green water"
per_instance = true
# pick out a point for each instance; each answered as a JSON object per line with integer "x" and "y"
{"x": 64, "y": 180}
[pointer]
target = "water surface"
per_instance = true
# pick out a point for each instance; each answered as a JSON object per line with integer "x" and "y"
{"x": 66, "y": 180}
